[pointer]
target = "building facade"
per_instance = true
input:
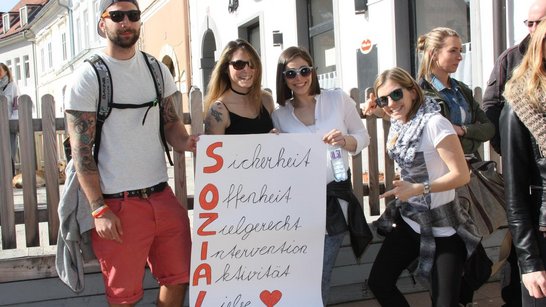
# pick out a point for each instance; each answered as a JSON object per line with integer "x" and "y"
{"x": 60, "y": 34}
{"x": 351, "y": 41}
{"x": 43, "y": 41}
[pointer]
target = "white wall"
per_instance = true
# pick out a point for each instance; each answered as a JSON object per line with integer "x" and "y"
{"x": 274, "y": 16}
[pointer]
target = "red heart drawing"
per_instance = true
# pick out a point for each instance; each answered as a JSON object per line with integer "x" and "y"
{"x": 270, "y": 299}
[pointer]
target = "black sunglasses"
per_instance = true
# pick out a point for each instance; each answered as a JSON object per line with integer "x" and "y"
{"x": 531, "y": 23}
{"x": 395, "y": 96}
{"x": 240, "y": 64}
{"x": 118, "y": 16}
{"x": 292, "y": 73}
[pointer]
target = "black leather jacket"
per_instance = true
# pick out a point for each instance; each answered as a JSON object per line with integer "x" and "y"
{"x": 524, "y": 170}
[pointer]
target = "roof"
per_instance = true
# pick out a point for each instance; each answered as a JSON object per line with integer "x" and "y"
{"x": 33, "y": 7}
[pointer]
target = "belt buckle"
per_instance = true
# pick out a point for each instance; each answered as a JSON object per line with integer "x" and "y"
{"x": 144, "y": 193}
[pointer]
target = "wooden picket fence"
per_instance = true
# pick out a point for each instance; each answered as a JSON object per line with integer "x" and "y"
{"x": 38, "y": 271}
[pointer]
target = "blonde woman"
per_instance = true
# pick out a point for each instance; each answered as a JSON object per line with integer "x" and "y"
{"x": 523, "y": 146}
{"x": 235, "y": 102}
{"x": 441, "y": 49}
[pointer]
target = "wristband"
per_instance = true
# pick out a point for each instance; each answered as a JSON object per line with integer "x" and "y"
{"x": 99, "y": 212}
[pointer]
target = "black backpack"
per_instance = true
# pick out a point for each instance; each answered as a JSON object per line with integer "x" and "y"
{"x": 106, "y": 94}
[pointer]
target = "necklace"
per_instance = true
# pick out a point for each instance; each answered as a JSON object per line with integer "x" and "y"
{"x": 237, "y": 92}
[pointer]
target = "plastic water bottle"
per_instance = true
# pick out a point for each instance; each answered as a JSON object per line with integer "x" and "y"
{"x": 338, "y": 167}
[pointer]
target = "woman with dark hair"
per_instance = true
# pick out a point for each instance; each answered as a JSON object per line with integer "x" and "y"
{"x": 425, "y": 221}
{"x": 235, "y": 102}
{"x": 9, "y": 89}
{"x": 332, "y": 116}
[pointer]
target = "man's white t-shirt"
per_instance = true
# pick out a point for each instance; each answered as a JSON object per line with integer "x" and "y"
{"x": 131, "y": 154}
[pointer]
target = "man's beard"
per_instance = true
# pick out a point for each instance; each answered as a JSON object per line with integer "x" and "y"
{"x": 118, "y": 40}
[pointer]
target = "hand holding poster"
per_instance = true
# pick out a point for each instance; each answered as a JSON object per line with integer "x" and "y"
{"x": 259, "y": 221}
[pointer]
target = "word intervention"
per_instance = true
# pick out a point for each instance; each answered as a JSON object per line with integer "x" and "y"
{"x": 245, "y": 229}
{"x": 271, "y": 162}
{"x": 284, "y": 249}
{"x": 242, "y": 274}
{"x": 263, "y": 196}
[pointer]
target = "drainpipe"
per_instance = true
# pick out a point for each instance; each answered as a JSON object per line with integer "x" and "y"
{"x": 499, "y": 23}
{"x": 68, "y": 7}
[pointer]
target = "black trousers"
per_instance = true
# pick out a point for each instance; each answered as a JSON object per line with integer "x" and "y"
{"x": 400, "y": 248}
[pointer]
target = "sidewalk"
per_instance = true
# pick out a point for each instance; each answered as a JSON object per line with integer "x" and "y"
{"x": 487, "y": 296}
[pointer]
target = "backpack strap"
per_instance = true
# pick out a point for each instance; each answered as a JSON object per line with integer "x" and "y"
{"x": 106, "y": 96}
{"x": 157, "y": 75}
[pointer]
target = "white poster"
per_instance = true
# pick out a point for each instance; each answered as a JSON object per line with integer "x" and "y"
{"x": 259, "y": 221}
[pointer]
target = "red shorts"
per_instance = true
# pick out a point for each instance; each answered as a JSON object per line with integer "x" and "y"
{"x": 155, "y": 230}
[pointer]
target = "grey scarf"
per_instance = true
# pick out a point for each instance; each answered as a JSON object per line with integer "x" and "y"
{"x": 404, "y": 138}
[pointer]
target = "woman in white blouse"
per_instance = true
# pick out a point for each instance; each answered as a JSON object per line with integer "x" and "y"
{"x": 332, "y": 116}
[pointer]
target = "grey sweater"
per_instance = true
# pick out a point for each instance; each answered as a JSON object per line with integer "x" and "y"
{"x": 74, "y": 240}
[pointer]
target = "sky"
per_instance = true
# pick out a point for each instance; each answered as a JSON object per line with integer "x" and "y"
{"x": 6, "y": 5}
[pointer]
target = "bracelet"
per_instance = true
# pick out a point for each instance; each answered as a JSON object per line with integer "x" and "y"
{"x": 426, "y": 187}
{"x": 99, "y": 212}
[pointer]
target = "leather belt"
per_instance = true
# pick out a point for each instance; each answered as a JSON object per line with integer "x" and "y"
{"x": 142, "y": 193}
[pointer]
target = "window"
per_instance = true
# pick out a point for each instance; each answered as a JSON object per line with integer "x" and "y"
{"x": 23, "y": 16}
{"x": 85, "y": 29}
{"x": 454, "y": 14}
{"x": 26, "y": 69}
{"x": 253, "y": 33}
{"x": 8, "y": 64}
{"x": 42, "y": 60}
{"x": 78, "y": 37}
{"x": 322, "y": 41}
{"x": 17, "y": 71}
{"x": 49, "y": 55}
{"x": 5, "y": 23}
{"x": 96, "y": 17}
{"x": 250, "y": 31}
{"x": 64, "y": 47}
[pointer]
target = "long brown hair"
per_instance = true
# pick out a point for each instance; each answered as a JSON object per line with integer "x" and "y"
{"x": 289, "y": 54}
{"x": 8, "y": 72}
{"x": 219, "y": 79}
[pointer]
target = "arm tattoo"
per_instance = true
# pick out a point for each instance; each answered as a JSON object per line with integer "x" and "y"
{"x": 213, "y": 118}
{"x": 217, "y": 115}
{"x": 81, "y": 128}
{"x": 169, "y": 113}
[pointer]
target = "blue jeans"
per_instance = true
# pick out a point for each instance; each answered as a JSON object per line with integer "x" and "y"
{"x": 332, "y": 244}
